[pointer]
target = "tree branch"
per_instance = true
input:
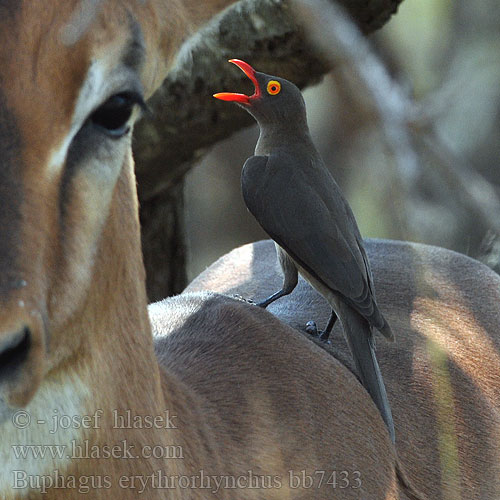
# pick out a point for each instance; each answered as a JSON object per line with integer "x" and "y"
{"x": 187, "y": 120}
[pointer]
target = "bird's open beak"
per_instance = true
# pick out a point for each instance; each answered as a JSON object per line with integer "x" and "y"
{"x": 241, "y": 98}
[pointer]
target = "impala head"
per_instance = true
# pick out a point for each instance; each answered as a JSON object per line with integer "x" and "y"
{"x": 71, "y": 88}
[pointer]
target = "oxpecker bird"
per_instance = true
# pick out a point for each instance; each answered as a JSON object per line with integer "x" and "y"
{"x": 288, "y": 189}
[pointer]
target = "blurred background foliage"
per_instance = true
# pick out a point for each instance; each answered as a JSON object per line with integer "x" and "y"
{"x": 446, "y": 56}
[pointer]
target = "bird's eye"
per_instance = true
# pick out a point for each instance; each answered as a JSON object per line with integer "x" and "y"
{"x": 114, "y": 114}
{"x": 273, "y": 87}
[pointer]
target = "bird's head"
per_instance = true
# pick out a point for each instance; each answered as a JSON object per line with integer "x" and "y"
{"x": 274, "y": 100}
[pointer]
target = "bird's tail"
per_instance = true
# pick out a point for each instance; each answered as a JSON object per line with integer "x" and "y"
{"x": 359, "y": 337}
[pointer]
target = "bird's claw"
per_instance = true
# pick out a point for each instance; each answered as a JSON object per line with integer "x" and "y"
{"x": 312, "y": 330}
{"x": 324, "y": 338}
{"x": 239, "y": 297}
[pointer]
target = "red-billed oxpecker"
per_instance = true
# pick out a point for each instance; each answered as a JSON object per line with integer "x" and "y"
{"x": 293, "y": 196}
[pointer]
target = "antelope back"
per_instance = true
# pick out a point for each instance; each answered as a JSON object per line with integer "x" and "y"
{"x": 269, "y": 406}
{"x": 443, "y": 372}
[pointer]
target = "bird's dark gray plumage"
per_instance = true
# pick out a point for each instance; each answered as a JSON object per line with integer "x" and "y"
{"x": 288, "y": 189}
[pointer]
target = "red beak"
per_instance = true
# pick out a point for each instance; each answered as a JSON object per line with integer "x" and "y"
{"x": 242, "y": 98}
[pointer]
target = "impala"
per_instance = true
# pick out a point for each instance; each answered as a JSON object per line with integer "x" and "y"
{"x": 442, "y": 374}
{"x": 227, "y": 401}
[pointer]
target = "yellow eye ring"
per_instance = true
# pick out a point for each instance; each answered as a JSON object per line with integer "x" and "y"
{"x": 273, "y": 87}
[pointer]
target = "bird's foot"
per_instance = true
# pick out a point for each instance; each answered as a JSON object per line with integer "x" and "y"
{"x": 273, "y": 297}
{"x": 312, "y": 330}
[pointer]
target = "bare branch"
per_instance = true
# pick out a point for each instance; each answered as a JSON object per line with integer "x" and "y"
{"x": 479, "y": 195}
{"x": 187, "y": 120}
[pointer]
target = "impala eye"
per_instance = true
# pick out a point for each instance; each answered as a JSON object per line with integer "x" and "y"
{"x": 273, "y": 87}
{"x": 114, "y": 114}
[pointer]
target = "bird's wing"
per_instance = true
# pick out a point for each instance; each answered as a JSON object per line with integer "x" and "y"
{"x": 305, "y": 213}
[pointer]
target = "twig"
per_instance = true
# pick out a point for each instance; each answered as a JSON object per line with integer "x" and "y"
{"x": 478, "y": 193}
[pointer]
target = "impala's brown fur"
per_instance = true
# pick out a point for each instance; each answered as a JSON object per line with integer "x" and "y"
{"x": 442, "y": 374}
{"x": 244, "y": 391}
